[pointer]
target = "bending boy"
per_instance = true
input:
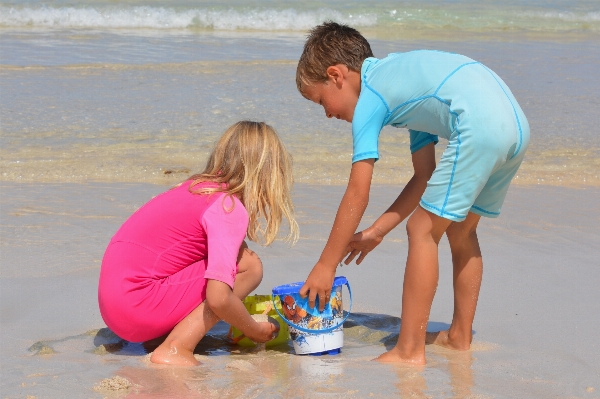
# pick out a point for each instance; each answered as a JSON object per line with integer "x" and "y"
{"x": 433, "y": 94}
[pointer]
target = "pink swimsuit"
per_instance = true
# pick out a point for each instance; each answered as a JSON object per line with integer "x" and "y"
{"x": 155, "y": 269}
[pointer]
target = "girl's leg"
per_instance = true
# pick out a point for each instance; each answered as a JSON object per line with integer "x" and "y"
{"x": 420, "y": 282}
{"x": 178, "y": 347}
{"x": 468, "y": 270}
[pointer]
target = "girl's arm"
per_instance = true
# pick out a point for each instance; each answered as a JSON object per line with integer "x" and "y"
{"x": 350, "y": 211}
{"x": 365, "y": 241}
{"x": 228, "y": 307}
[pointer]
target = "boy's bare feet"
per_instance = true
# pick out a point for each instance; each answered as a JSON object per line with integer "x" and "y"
{"x": 395, "y": 356}
{"x": 442, "y": 338}
{"x": 173, "y": 354}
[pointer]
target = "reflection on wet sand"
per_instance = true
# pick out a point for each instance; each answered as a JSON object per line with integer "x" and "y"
{"x": 231, "y": 371}
{"x": 457, "y": 364}
{"x": 241, "y": 376}
{"x": 411, "y": 383}
{"x": 163, "y": 382}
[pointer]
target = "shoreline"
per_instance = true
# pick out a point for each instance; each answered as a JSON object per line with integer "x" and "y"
{"x": 124, "y": 114}
{"x": 549, "y": 179}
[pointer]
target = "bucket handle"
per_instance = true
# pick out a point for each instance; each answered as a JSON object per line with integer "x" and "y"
{"x": 307, "y": 330}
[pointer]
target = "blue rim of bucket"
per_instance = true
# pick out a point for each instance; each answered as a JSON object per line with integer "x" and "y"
{"x": 294, "y": 288}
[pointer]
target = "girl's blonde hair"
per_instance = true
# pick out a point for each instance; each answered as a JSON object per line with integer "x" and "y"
{"x": 250, "y": 162}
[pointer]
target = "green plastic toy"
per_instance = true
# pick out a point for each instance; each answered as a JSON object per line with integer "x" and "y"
{"x": 261, "y": 304}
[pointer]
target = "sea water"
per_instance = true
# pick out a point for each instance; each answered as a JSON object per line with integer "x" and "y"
{"x": 137, "y": 90}
{"x": 113, "y": 94}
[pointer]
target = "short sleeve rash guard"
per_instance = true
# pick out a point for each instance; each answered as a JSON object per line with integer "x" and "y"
{"x": 225, "y": 231}
{"x": 405, "y": 90}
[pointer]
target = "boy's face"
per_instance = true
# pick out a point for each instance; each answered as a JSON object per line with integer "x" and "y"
{"x": 336, "y": 95}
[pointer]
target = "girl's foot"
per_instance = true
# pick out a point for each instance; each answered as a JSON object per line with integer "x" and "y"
{"x": 442, "y": 338}
{"x": 173, "y": 354}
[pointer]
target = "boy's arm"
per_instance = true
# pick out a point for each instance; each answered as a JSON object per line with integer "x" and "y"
{"x": 365, "y": 241}
{"x": 350, "y": 211}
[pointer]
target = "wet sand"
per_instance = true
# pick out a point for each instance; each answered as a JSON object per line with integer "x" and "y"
{"x": 534, "y": 331}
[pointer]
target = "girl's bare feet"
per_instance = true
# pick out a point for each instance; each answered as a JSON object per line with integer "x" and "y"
{"x": 173, "y": 354}
{"x": 396, "y": 356}
{"x": 442, "y": 338}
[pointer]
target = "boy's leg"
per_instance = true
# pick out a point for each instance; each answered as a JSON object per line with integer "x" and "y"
{"x": 468, "y": 269}
{"x": 178, "y": 347}
{"x": 420, "y": 282}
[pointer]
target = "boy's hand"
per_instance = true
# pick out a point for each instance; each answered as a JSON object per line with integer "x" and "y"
{"x": 266, "y": 331}
{"x": 318, "y": 283}
{"x": 362, "y": 243}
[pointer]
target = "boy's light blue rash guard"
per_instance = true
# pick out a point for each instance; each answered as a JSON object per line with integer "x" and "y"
{"x": 412, "y": 90}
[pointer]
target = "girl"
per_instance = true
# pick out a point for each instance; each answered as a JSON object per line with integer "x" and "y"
{"x": 179, "y": 264}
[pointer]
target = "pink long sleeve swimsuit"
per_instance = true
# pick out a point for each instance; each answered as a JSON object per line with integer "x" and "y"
{"x": 156, "y": 267}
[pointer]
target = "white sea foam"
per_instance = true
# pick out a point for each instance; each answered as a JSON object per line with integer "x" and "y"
{"x": 567, "y": 16}
{"x": 170, "y": 18}
{"x": 291, "y": 19}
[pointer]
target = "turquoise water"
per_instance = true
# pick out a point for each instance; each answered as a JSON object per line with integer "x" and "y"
{"x": 288, "y": 15}
{"x": 135, "y": 91}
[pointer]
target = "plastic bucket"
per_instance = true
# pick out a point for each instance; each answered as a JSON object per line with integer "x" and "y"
{"x": 313, "y": 332}
{"x": 261, "y": 304}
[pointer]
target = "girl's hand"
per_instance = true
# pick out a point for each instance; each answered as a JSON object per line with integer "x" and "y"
{"x": 362, "y": 243}
{"x": 266, "y": 331}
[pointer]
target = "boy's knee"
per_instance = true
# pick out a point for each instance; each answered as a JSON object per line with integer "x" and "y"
{"x": 425, "y": 225}
{"x": 459, "y": 232}
{"x": 417, "y": 225}
{"x": 411, "y": 225}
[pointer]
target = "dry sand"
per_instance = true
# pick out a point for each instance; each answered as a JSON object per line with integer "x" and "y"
{"x": 535, "y": 331}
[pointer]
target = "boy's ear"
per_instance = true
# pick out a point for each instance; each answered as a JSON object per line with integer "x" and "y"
{"x": 335, "y": 74}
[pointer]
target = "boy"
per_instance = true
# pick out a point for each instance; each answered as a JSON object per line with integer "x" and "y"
{"x": 432, "y": 94}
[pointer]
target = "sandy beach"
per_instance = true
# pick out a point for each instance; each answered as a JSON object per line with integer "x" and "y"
{"x": 105, "y": 104}
{"x": 534, "y": 331}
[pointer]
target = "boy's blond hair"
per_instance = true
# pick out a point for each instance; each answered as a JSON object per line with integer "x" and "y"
{"x": 330, "y": 44}
{"x": 250, "y": 161}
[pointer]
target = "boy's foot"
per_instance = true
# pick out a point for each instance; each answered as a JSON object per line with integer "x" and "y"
{"x": 172, "y": 355}
{"x": 442, "y": 338}
{"x": 395, "y": 356}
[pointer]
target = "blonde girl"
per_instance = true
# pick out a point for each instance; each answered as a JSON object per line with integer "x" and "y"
{"x": 180, "y": 264}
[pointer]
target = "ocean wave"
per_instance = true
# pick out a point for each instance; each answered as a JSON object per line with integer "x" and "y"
{"x": 567, "y": 16}
{"x": 170, "y": 18}
{"x": 382, "y": 17}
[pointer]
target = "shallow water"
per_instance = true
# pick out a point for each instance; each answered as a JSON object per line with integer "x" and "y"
{"x": 87, "y": 101}
{"x": 536, "y": 313}
{"x": 89, "y": 112}
{"x": 546, "y": 16}
{"x": 231, "y": 371}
